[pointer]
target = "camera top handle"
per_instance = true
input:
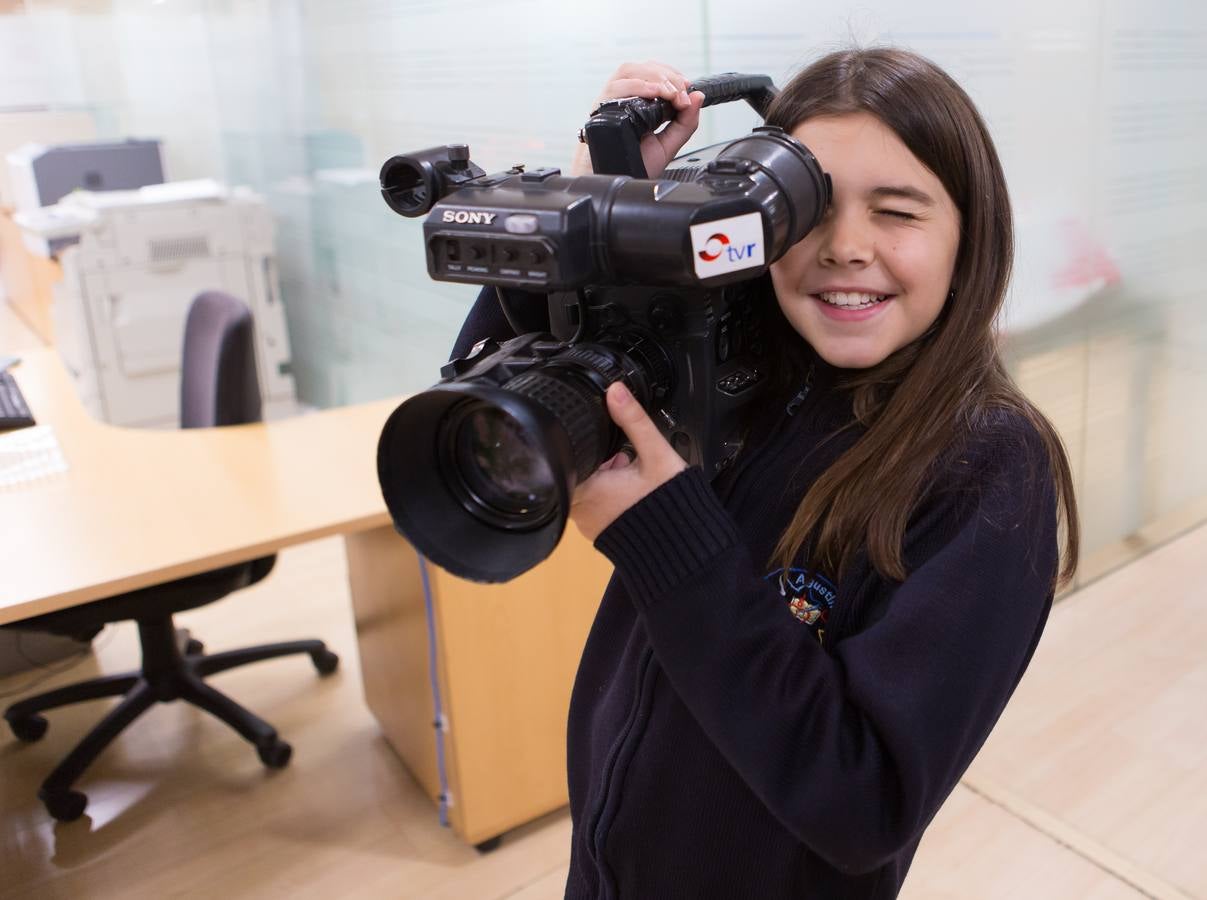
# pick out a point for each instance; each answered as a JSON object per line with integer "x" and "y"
{"x": 613, "y": 133}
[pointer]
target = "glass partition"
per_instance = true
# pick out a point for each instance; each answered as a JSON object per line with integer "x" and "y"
{"x": 1097, "y": 107}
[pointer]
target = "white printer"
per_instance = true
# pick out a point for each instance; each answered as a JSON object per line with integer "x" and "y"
{"x": 132, "y": 263}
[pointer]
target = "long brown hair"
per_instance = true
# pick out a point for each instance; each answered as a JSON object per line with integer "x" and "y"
{"x": 933, "y": 394}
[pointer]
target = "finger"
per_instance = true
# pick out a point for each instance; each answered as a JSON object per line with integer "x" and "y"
{"x": 669, "y": 79}
{"x": 651, "y": 69}
{"x": 668, "y": 90}
{"x": 639, "y": 428}
{"x": 683, "y": 126}
{"x": 668, "y": 73}
{"x": 632, "y": 87}
{"x": 678, "y": 79}
{"x": 622, "y": 459}
{"x": 648, "y": 70}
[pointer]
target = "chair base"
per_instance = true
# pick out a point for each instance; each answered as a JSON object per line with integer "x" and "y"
{"x": 169, "y": 672}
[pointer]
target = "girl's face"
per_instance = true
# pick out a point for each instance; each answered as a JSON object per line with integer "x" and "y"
{"x": 874, "y": 274}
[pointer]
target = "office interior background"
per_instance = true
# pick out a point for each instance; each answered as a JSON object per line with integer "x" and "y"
{"x": 1098, "y": 107}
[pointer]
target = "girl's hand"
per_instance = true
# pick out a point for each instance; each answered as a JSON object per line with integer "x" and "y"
{"x": 620, "y": 481}
{"x": 651, "y": 79}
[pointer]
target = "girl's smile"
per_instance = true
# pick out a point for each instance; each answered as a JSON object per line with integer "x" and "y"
{"x": 851, "y": 304}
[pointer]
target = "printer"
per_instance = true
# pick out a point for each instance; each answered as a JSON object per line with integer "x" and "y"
{"x": 132, "y": 261}
{"x": 39, "y": 125}
{"x": 41, "y": 175}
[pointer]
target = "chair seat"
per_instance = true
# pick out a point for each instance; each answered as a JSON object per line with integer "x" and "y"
{"x": 151, "y": 602}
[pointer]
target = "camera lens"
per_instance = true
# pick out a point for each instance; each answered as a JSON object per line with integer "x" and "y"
{"x": 504, "y": 478}
{"x": 479, "y": 476}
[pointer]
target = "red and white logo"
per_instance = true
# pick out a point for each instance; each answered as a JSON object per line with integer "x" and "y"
{"x": 714, "y": 247}
{"x": 727, "y": 245}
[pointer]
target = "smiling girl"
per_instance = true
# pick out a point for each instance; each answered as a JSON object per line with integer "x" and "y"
{"x": 794, "y": 664}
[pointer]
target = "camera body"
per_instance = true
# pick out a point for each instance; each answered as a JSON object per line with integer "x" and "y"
{"x": 542, "y": 231}
{"x": 693, "y": 357}
{"x": 703, "y": 349}
{"x": 649, "y": 282}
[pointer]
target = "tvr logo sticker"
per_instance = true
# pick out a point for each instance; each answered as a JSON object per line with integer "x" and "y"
{"x": 719, "y": 244}
{"x": 727, "y": 245}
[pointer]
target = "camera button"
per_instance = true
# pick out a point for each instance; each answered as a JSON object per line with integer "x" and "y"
{"x": 521, "y": 223}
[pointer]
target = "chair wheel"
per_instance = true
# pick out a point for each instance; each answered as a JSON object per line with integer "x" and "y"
{"x": 275, "y": 754}
{"x": 28, "y": 728}
{"x": 194, "y": 647}
{"x": 66, "y": 806}
{"x": 325, "y": 661}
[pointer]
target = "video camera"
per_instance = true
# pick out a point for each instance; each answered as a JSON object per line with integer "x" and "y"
{"x": 646, "y": 282}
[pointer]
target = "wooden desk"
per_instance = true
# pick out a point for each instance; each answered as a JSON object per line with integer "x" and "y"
{"x": 139, "y": 507}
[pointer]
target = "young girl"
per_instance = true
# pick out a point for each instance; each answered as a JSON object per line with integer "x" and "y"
{"x": 793, "y": 665}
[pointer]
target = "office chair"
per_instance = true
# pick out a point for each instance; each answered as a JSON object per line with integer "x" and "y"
{"x": 218, "y": 387}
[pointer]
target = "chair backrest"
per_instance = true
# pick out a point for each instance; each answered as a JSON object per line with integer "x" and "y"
{"x": 218, "y": 383}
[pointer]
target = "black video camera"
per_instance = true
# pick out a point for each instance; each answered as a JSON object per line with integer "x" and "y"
{"x": 646, "y": 283}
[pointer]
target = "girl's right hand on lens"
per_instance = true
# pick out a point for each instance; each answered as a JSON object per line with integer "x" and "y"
{"x": 652, "y": 80}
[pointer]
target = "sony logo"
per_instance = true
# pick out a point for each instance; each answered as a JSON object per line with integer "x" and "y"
{"x": 462, "y": 217}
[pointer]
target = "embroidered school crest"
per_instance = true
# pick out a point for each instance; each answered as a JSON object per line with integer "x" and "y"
{"x": 810, "y": 596}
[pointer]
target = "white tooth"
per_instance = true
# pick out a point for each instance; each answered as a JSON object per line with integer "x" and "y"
{"x": 846, "y": 299}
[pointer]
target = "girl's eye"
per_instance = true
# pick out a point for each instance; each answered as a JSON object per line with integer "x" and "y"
{"x": 897, "y": 213}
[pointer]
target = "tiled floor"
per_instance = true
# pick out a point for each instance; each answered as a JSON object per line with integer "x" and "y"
{"x": 1091, "y": 786}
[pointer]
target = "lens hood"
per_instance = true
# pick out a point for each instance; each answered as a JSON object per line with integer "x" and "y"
{"x": 432, "y": 508}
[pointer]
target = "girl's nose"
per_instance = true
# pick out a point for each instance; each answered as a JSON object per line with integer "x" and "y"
{"x": 846, "y": 240}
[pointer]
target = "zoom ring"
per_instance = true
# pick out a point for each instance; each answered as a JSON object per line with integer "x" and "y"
{"x": 576, "y": 406}
{"x": 594, "y": 359}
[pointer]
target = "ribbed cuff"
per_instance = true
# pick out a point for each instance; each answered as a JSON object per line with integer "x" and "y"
{"x": 667, "y": 536}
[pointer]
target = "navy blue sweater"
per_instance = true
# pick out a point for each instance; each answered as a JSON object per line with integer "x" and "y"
{"x": 738, "y": 731}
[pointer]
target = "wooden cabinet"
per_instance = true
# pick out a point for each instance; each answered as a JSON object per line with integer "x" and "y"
{"x": 504, "y": 664}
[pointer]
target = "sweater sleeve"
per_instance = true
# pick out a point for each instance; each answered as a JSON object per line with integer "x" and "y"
{"x": 486, "y": 319}
{"x": 854, "y": 750}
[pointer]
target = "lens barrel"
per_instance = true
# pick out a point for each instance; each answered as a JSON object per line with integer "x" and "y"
{"x": 479, "y": 476}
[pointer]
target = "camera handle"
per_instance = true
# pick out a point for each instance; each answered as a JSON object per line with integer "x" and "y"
{"x": 613, "y": 133}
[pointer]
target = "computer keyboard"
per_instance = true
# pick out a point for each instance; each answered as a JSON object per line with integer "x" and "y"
{"x": 14, "y": 412}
